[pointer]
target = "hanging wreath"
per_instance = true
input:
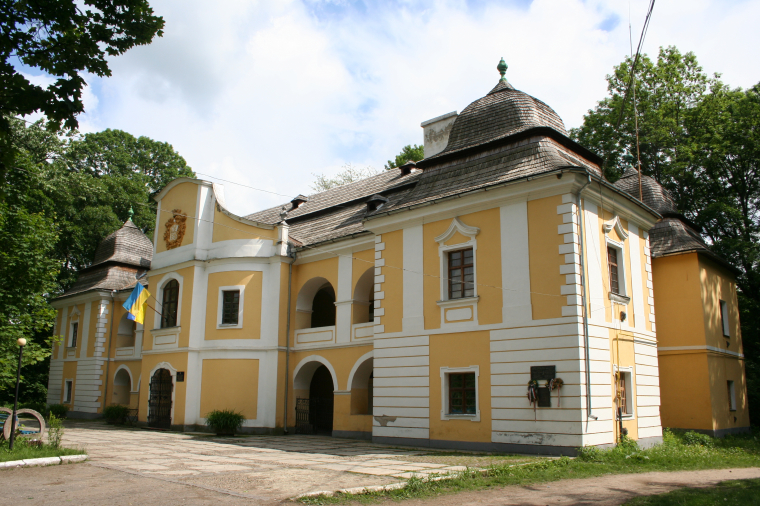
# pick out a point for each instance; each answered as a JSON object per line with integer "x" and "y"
{"x": 533, "y": 396}
{"x": 556, "y": 384}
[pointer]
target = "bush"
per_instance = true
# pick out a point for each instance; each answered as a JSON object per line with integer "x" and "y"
{"x": 55, "y": 431}
{"x": 116, "y": 413}
{"x": 692, "y": 438}
{"x": 224, "y": 422}
{"x": 59, "y": 410}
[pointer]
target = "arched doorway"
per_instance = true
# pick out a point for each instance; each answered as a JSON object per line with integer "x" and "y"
{"x": 362, "y": 386}
{"x": 315, "y": 305}
{"x": 321, "y": 401}
{"x": 364, "y": 297}
{"x": 122, "y": 386}
{"x": 160, "y": 400}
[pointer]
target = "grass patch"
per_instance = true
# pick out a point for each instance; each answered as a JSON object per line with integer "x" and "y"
{"x": 22, "y": 450}
{"x": 678, "y": 452}
{"x": 734, "y": 492}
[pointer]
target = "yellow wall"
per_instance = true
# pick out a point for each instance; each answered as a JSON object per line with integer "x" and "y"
{"x": 718, "y": 284}
{"x": 187, "y": 297}
{"x": 302, "y": 273}
{"x": 252, "y": 281}
{"x": 184, "y": 197}
{"x": 545, "y": 260}
{"x": 230, "y": 384}
{"x": 685, "y": 390}
{"x": 69, "y": 372}
{"x": 227, "y": 229}
{"x": 622, "y": 355}
{"x": 678, "y": 301}
{"x": 179, "y": 362}
{"x": 461, "y": 350}
{"x": 724, "y": 369}
{"x": 394, "y": 281}
{"x": 345, "y": 421}
{"x": 283, "y": 308}
{"x": 115, "y": 396}
{"x": 487, "y": 266}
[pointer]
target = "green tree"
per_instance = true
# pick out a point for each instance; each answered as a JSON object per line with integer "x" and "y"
{"x": 349, "y": 174}
{"x": 64, "y": 39}
{"x": 411, "y": 152}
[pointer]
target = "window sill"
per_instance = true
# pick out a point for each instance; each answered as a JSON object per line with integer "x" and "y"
{"x": 229, "y": 326}
{"x": 620, "y": 299}
{"x": 456, "y": 416}
{"x": 463, "y": 301}
{"x": 71, "y": 348}
{"x": 166, "y": 331}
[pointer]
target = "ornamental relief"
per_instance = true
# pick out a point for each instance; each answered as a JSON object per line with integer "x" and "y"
{"x": 175, "y": 229}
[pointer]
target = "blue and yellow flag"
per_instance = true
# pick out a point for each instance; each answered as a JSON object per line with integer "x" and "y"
{"x": 135, "y": 304}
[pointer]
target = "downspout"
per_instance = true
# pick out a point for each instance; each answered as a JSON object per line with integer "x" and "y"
{"x": 287, "y": 345}
{"x": 584, "y": 299}
{"x": 108, "y": 347}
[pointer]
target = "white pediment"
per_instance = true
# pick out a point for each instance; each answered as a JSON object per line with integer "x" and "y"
{"x": 615, "y": 223}
{"x": 457, "y": 226}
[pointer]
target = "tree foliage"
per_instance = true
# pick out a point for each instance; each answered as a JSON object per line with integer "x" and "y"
{"x": 411, "y": 152}
{"x": 700, "y": 140}
{"x": 65, "y": 39}
{"x": 349, "y": 174}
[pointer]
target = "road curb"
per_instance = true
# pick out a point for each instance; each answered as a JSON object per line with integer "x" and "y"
{"x": 45, "y": 461}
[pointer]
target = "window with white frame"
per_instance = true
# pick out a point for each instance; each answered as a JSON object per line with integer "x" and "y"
{"x": 724, "y": 318}
{"x": 68, "y": 387}
{"x": 230, "y": 307}
{"x": 73, "y": 334}
{"x": 458, "y": 262}
{"x": 624, "y": 389}
{"x": 731, "y": 396}
{"x": 459, "y": 393}
{"x": 616, "y": 268}
{"x": 461, "y": 267}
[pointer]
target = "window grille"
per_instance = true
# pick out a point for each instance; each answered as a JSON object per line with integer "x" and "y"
{"x": 230, "y": 307}
{"x": 169, "y": 304}
{"x": 74, "y": 332}
{"x": 612, "y": 262}
{"x": 461, "y": 274}
{"x": 462, "y": 398}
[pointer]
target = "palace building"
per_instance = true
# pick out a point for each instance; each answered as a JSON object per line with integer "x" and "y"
{"x": 497, "y": 295}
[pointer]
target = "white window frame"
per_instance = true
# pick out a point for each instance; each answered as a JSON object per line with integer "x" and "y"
{"x": 70, "y": 398}
{"x": 220, "y": 306}
{"x": 71, "y": 343}
{"x": 630, "y": 405}
{"x": 624, "y": 297}
{"x": 445, "y": 372}
{"x": 724, "y": 318}
{"x": 160, "y": 297}
{"x": 444, "y": 249}
{"x": 731, "y": 395}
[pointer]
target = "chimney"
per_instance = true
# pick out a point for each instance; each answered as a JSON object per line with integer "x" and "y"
{"x": 436, "y": 132}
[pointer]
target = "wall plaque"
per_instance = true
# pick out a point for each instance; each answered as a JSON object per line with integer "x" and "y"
{"x": 543, "y": 372}
{"x": 175, "y": 229}
{"x": 180, "y": 376}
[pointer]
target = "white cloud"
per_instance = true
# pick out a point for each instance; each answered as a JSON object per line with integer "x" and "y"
{"x": 267, "y": 93}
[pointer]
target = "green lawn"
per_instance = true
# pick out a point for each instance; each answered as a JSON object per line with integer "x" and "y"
{"x": 733, "y": 493}
{"x": 22, "y": 451}
{"x": 678, "y": 452}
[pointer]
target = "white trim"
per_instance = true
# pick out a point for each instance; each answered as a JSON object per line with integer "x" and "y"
{"x": 630, "y": 405}
{"x": 622, "y": 271}
{"x": 131, "y": 380}
{"x": 413, "y": 318}
{"x": 69, "y": 342}
{"x": 706, "y": 348}
{"x": 316, "y": 358}
{"x": 160, "y": 297}
{"x": 173, "y": 372}
{"x": 220, "y": 306}
{"x": 457, "y": 226}
{"x": 445, "y": 415}
{"x": 617, "y": 225}
{"x": 367, "y": 356}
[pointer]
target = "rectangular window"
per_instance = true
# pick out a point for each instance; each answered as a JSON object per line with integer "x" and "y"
{"x": 462, "y": 394}
{"x": 724, "y": 318}
{"x": 623, "y": 391}
{"x": 612, "y": 262}
{"x": 68, "y": 385}
{"x": 461, "y": 274}
{"x": 230, "y": 307}
{"x": 74, "y": 332}
{"x": 731, "y": 396}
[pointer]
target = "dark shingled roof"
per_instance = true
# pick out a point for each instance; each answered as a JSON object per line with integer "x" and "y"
{"x": 671, "y": 235}
{"x": 118, "y": 259}
{"x": 503, "y": 112}
{"x": 653, "y": 195}
{"x": 127, "y": 246}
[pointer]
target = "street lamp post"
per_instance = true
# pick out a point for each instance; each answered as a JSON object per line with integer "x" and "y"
{"x": 21, "y": 343}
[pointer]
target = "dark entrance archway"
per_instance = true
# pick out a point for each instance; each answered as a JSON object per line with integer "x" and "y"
{"x": 160, "y": 400}
{"x": 321, "y": 401}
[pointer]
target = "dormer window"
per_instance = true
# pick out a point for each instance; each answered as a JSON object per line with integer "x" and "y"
{"x": 296, "y": 202}
{"x": 376, "y": 202}
{"x": 407, "y": 167}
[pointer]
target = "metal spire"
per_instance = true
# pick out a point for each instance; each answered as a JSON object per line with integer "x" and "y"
{"x": 502, "y": 68}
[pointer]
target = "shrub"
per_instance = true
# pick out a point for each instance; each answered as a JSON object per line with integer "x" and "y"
{"x": 224, "y": 421}
{"x": 116, "y": 413}
{"x": 692, "y": 438}
{"x": 59, "y": 410}
{"x": 55, "y": 431}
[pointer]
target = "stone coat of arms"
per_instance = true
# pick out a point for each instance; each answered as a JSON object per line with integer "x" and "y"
{"x": 175, "y": 229}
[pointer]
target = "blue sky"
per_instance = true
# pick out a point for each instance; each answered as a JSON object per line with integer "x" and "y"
{"x": 266, "y": 93}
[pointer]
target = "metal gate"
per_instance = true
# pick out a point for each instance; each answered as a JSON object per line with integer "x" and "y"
{"x": 160, "y": 401}
{"x": 314, "y": 415}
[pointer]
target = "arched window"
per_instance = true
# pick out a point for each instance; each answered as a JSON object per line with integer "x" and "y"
{"x": 169, "y": 304}
{"x": 323, "y": 307}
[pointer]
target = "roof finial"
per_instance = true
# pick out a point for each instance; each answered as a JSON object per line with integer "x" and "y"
{"x": 502, "y": 68}
{"x": 131, "y": 213}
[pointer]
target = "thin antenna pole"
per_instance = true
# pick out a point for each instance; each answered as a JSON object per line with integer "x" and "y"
{"x": 635, "y": 110}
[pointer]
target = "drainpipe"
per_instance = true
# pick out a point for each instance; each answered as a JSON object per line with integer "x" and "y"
{"x": 584, "y": 299}
{"x": 108, "y": 347}
{"x": 287, "y": 344}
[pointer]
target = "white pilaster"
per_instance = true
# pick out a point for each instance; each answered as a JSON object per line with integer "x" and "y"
{"x": 343, "y": 297}
{"x": 515, "y": 263}
{"x": 413, "y": 318}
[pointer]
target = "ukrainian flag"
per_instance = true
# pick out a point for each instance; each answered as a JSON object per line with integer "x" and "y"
{"x": 135, "y": 304}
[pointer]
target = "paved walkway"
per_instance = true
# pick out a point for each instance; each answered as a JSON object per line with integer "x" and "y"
{"x": 280, "y": 466}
